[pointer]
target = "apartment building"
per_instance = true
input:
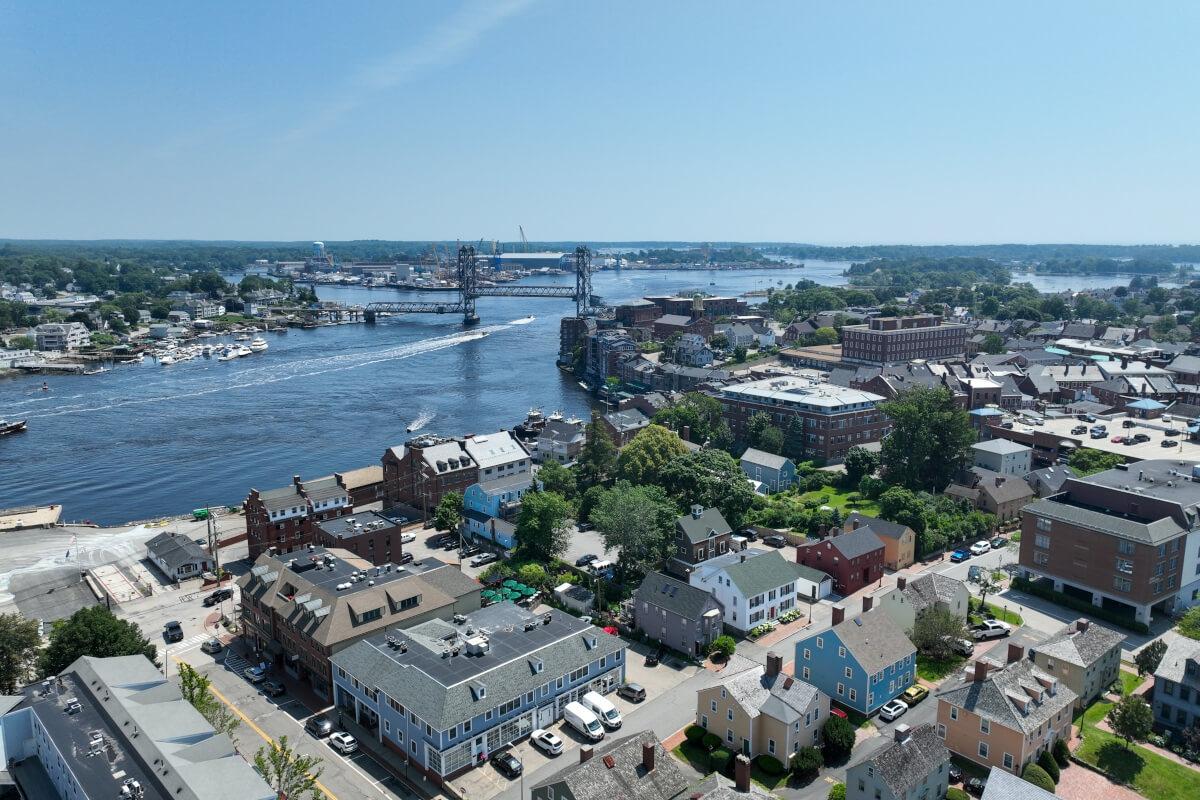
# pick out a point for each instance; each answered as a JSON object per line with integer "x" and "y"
{"x": 887, "y": 340}
{"x": 762, "y": 711}
{"x": 443, "y": 695}
{"x": 853, "y": 559}
{"x": 366, "y": 534}
{"x": 672, "y": 612}
{"x": 754, "y": 586}
{"x": 284, "y": 518}
{"x": 1004, "y": 716}
{"x": 300, "y": 609}
{"x": 1003, "y": 457}
{"x": 1177, "y": 685}
{"x": 423, "y": 470}
{"x": 834, "y": 418}
{"x": 931, "y": 590}
{"x": 899, "y": 541}
{"x": 1127, "y": 539}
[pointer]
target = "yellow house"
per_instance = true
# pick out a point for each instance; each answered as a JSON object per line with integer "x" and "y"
{"x": 899, "y": 541}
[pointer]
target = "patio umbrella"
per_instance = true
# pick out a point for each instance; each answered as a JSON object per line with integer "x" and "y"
{"x": 510, "y": 583}
{"x": 529, "y": 591}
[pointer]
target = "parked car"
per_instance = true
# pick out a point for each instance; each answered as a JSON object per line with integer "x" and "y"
{"x": 484, "y": 558}
{"x": 891, "y": 710}
{"x": 404, "y": 558}
{"x": 507, "y": 763}
{"x": 997, "y": 542}
{"x": 960, "y": 555}
{"x": 980, "y": 547}
{"x": 653, "y": 659}
{"x": 1141, "y": 437}
{"x": 218, "y": 596}
{"x": 319, "y": 727}
{"x": 1129, "y": 440}
{"x": 255, "y": 675}
{"x": 955, "y": 773}
{"x": 775, "y": 540}
{"x": 1098, "y": 434}
{"x": 583, "y": 721}
{"x": 1172, "y": 432}
{"x": 405, "y": 538}
{"x": 547, "y": 742}
{"x": 991, "y": 629}
{"x": 1117, "y": 439}
{"x": 343, "y": 742}
{"x": 1078, "y": 430}
{"x": 1128, "y": 424}
{"x": 585, "y": 559}
{"x": 750, "y": 534}
{"x": 469, "y": 550}
{"x": 1089, "y": 417}
{"x": 633, "y": 692}
{"x": 975, "y": 786}
{"x": 272, "y": 688}
{"x": 603, "y": 708}
{"x": 212, "y": 647}
{"x": 914, "y": 694}
{"x": 173, "y": 632}
{"x": 1169, "y": 443}
{"x": 837, "y": 712}
{"x": 962, "y": 647}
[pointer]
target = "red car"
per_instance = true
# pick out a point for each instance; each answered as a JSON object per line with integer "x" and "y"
{"x": 1117, "y": 439}
{"x": 837, "y": 712}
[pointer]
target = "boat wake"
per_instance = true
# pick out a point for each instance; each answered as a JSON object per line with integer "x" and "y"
{"x": 523, "y": 320}
{"x": 423, "y": 419}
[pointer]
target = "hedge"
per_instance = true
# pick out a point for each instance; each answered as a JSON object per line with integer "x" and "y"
{"x": 1038, "y": 777}
{"x": 1062, "y": 753}
{"x": 1046, "y": 761}
{"x": 955, "y": 793}
{"x": 1075, "y": 604}
{"x": 807, "y": 762}
{"x": 719, "y": 760}
{"x": 694, "y": 733}
{"x": 769, "y": 764}
{"x": 710, "y": 741}
{"x": 837, "y": 792}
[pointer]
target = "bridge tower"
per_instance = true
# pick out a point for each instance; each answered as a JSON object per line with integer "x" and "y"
{"x": 583, "y": 281}
{"x": 467, "y": 283}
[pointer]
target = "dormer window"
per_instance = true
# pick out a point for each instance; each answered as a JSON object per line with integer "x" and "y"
{"x": 478, "y": 690}
{"x": 589, "y": 641}
{"x": 536, "y": 665}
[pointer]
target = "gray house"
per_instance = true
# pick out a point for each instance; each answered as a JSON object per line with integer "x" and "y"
{"x": 178, "y": 556}
{"x": 684, "y": 618}
{"x": 915, "y": 765}
{"x": 774, "y": 473}
{"x": 1177, "y": 685}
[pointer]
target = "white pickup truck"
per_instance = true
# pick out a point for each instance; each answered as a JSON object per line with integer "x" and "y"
{"x": 991, "y": 629}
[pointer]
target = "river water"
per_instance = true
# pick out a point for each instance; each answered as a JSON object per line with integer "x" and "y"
{"x": 145, "y": 440}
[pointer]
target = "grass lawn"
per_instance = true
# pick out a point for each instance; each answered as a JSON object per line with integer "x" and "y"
{"x": 766, "y": 780}
{"x": 1131, "y": 681}
{"x": 1151, "y": 775}
{"x": 1000, "y": 613}
{"x": 856, "y": 718}
{"x": 838, "y": 499}
{"x": 693, "y": 754}
{"x": 932, "y": 670}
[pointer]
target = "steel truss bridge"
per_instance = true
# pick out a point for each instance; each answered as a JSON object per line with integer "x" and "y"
{"x": 469, "y": 289}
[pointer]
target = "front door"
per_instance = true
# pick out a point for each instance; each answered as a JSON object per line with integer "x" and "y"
{"x": 745, "y": 747}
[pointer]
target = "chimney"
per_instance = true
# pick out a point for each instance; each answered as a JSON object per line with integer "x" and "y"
{"x": 999, "y": 481}
{"x": 903, "y": 733}
{"x": 868, "y": 602}
{"x": 585, "y": 754}
{"x": 774, "y": 664}
{"x": 854, "y": 523}
{"x": 901, "y": 582}
{"x": 1015, "y": 653}
{"x": 981, "y": 671}
{"x": 1081, "y": 625}
{"x": 648, "y": 756}
{"x": 839, "y": 614}
{"x": 296, "y": 480}
{"x": 686, "y": 433}
{"x": 743, "y": 558}
{"x": 741, "y": 773}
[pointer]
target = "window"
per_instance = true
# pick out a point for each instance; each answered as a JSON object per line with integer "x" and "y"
{"x": 1122, "y": 584}
{"x": 941, "y": 731}
{"x": 849, "y": 673}
{"x": 1043, "y": 524}
{"x": 807, "y": 654}
{"x": 704, "y": 721}
{"x": 1041, "y": 558}
{"x": 841, "y": 652}
{"x": 983, "y": 749}
{"x": 853, "y": 694}
{"x": 841, "y": 689}
{"x": 820, "y": 643}
{"x": 467, "y": 727}
{"x": 712, "y": 705}
{"x": 861, "y": 786}
{"x": 1042, "y": 541}
{"x": 805, "y": 673}
{"x": 953, "y": 712}
{"x": 729, "y": 735}
{"x": 729, "y": 714}
{"x": 1125, "y": 565}
{"x": 771, "y": 746}
{"x": 985, "y": 726}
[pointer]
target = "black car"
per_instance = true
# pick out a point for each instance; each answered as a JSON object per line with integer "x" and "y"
{"x": 173, "y": 632}
{"x": 319, "y": 727}
{"x": 507, "y": 763}
{"x": 272, "y": 688}
{"x": 750, "y": 534}
{"x": 469, "y": 550}
{"x": 218, "y": 596}
{"x": 1168, "y": 443}
{"x": 955, "y": 773}
{"x": 1172, "y": 432}
{"x": 404, "y": 558}
{"x": 1128, "y": 424}
{"x": 585, "y": 559}
{"x": 775, "y": 540}
{"x": 1141, "y": 437}
{"x": 975, "y": 786}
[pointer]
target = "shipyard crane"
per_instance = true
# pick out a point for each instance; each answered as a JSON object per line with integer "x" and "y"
{"x": 524, "y": 241}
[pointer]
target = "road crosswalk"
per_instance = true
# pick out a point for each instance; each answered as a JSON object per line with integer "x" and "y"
{"x": 190, "y": 643}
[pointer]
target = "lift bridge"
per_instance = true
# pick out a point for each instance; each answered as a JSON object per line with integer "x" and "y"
{"x": 469, "y": 289}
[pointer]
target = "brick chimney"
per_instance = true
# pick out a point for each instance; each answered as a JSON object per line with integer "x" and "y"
{"x": 686, "y": 433}
{"x": 867, "y": 603}
{"x": 901, "y": 582}
{"x": 774, "y": 664}
{"x": 1015, "y": 653}
{"x": 981, "y": 671}
{"x": 585, "y": 754}
{"x": 839, "y": 614}
{"x": 1081, "y": 625}
{"x": 648, "y": 756}
{"x": 903, "y": 732}
{"x": 854, "y": 523}
{"x": 741, "y": 773}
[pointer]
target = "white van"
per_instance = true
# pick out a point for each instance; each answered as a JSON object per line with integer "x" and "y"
{"x": 584, "y": 721}
{"x": 603, "y": 708}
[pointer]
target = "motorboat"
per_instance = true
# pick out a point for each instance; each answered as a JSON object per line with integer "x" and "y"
{"x": 229, "y": 355}
{"x": 13, "y": 426}
{"x": 258, "y": 345}
{"x": 166, "y": 361}
{"x": 242, "y": 338}
{"x": 244, "y": 351}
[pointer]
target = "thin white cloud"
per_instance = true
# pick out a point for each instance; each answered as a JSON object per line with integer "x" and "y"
{"x": 444, "y": 44}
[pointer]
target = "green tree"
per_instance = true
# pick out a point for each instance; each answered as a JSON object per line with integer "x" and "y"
{"x": 992, "y": 343}
{"x": 934, "y": 632}
{"x": 532, "y": 575}
{"x": 542, "y": 531}
{"x": 762, "y": 435}
{"x": 836, "y": 792}
{"x": 793, "y": 439}
{"x": 1038, "y": 777}
{"x": 722, "y": 647}
{"x": 1087, "y": 461}
{"x": 19, "y": 643}
{"x": 930, "y": 439}
{"x": 838, "y": 735}
{"x": 644, "y": 457}
{"x": 558, "y": 479}
{"x": 598, "y": 459}
{"x": 739, "y": 353}
{"x": 1131, "y": 719}
{"x": 1189, "y": 626}
{"x": 719, "y": 341}
{"x": 21, "y": 343}
{"x": 859, "y": 462}
{"x": 823, "y": 335}
{"x": 699, "y": 414}
{"x": 711, "y": 478}
{"x": 1046, "y": 761}
{"x": 1149, "y": 657}
{"x": 288, "y": 772}
{"x": 449, "y": 512}
{"x": 987, "y": 585}
{"x": 640, "y": 522}
{"x": 91, "y": 631}
{"x": 807, "y": 763}
{"x": 196, "y": 690}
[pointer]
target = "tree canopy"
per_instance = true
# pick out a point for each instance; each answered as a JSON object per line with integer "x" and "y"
{"x": 449, "y": 512}
{"x": 711, "y": 478}
{"x": 648, "y": 453}
{"x": 542, "y": 530}
{"x": 19, "y": 643}
{"x": 640, "y": 521}
{"x": 1087, "y": 461}
{"x": 698, "y": 414}
{"x": 930, "y": 439}
{"x": 598, "y": 459}
{"x": 289, "y": 772}
{"x": 92, "y": 631}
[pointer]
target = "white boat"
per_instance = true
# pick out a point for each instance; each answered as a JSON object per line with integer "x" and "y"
{"x": 258, "y": 345}
{"x": 243, "y": 351}
{"x": 242, "y": 338}
{"x": 228, "y": 356}
{"x": 166, "y": 361}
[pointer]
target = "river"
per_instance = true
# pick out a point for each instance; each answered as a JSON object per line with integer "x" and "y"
{"x": 145, "y": 440}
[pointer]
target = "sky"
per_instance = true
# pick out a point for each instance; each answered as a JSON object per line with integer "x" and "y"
{"x": 833, "y": 123}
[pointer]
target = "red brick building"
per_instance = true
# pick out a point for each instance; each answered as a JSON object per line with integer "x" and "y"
{"x": 421, "y": 471}
{"x": 854, "y": 559}
{"x": 888, "y": 340}
{"x": 367, "y": 534}
{"x": 283, "y": 518}
{"x": 668, "y": 325}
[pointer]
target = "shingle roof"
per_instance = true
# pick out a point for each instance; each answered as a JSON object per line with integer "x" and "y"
{"x": 1003, "y": 785}
{"x": 909, "y": 763}
{"x": 1081, "y": 648}
{"x": 281, "y": 499}
{"x": 874, "y": 640}
{"x": 675, "y": 596}
{"x": 999, "y": 696}
{"x": 699, "y": 529}
{"x": 762, "y": 459}
{"x": 780, "y": 697}
{"x": 762, "y": 572}
{"x": 880, "y": 527}
{"x": 1159, "y": 530}
{"x": 626, "y": 778}
{"x": 853, "y": 544}
{"x": 1173, "y": 666}
{"x": 175, "y": 550}
{"x": 927, "y": 590}
{"x": 1005, "y": 490}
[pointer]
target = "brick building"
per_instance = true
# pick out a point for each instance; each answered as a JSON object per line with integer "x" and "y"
{"x": 422, "y": 470}
{"x": 853, "y": 559}
{"x": 283, "y": 518}
{"x": 886, "y": 340}
{"x": 366, "y": 534}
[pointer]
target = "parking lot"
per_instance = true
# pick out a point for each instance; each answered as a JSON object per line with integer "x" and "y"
{"x": 1155, "y": 429}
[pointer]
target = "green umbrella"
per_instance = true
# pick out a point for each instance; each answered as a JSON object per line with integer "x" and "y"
{"x": 510, "y": 583}
{"x": 529, "y": 591}
{"x": 487, "y": 594}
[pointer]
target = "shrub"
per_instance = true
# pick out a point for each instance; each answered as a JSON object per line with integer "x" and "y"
{"x": 769, "y": 764}
{"x": 1046, "y": 761}
{"x": 1062, "y": 753}
{"x": 1038, "y": 777}
{"x": 722, "y": 646}
{"x": 694, "y": 733}
{"x": 837, "y": 792}
{"x": 955, "y": 793}
{"x": 710, "y": 741}
{"x": 807, "y": 762}
{"x": 1037, "y": 589}
{"x": 839, "y": 738}
{"x": 720, "y": 760}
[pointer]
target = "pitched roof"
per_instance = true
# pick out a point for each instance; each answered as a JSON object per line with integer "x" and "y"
{"x": 673, "y": 595}
{"x": 762, "y": 459}
{"x": 1001, "y": 696}
{"x": 1082, "y": 648}
{"x": 1173, "y": 666}
{"x": 880, "y": 527}
{"x": 781, "y": 697}
{"x": 930, "y": 588}
{"x": 1159, "y": 530}
{"x": 762, "y": 571}
{"x": 1001, "y": 488}
{"x": 175, "y": 550}
{"x": 594, "y": 779}
{"x": 699, "y": 529}
{"x": 1003, "y": 785}
{"x": 903, "y": 765}
{"x": 853, "y": 544}
{"x": 873, "y": 639}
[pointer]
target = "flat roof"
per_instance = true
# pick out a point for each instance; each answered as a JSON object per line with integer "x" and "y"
{"x": 1061, "y": 427}
{"x": 336, "y": 569}
{"x": 801, "y": 391}
{"x": 356, "y": 524}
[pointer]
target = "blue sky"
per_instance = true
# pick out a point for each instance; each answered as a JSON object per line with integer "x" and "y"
{"x": 836, "y": 122}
